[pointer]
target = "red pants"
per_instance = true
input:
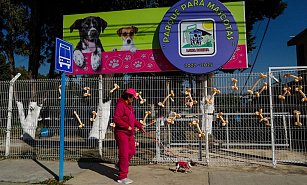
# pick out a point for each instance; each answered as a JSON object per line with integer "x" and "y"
{"x": 126, "y": 150}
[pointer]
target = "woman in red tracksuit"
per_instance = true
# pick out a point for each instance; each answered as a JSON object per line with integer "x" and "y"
{"x": 125, "y": 123}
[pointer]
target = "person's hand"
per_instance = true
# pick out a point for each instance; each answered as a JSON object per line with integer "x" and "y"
{"x": 129, "y": 128}
{"x": 142, "y": 130}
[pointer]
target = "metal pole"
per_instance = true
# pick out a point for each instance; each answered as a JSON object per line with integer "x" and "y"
{"x": 9, "y": 116}
{"x": 207, "y": 121}
{"x": 272, "y": 120}
{"x": 168, "y": 110}
{"x": 158, "y": 138}
{"x": 290, "y": 134}
{"x": 61, "y": 166}
{"x": 100, "y": 116}
{"x": 285, "y": 128}
{"x": 227, "y": 133}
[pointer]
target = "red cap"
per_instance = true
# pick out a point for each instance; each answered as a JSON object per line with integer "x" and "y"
{"x": 131, "y": 91}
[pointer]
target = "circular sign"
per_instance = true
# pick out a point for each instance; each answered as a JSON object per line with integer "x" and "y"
{"x": 198, "y": 36}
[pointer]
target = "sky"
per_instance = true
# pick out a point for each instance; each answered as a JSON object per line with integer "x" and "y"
{"x": 274, "y": 50}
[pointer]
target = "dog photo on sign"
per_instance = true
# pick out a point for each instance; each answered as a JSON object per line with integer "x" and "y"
{"x": 90, "y": 29}
{"x": 127, "y": 34}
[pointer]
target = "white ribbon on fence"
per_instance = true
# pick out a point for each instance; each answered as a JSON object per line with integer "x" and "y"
{"x": 29, "y": 123}
{"x": 208, "y": 110}
{"x": 94, "y": 133}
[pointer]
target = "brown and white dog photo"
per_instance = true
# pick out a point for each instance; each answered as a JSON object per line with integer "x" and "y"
{"x": 127, "y": 35}
{"x": 89, "y": 32}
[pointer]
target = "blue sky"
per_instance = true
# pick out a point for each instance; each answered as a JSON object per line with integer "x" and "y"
{"x": 274, "y": 51}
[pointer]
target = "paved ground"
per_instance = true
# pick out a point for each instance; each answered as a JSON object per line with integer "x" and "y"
{"x": 21, "y": 172}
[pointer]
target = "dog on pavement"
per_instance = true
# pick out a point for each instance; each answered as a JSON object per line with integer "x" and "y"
{"x": 127, "y": 34}
{"x": 89, "y": 32}
{"x": 185, "y": 165}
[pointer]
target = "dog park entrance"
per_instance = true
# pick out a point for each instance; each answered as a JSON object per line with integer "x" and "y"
{"x": 215, "y": 119}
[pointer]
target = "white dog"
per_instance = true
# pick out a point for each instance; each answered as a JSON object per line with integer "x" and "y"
{"x": 127, "y": 34}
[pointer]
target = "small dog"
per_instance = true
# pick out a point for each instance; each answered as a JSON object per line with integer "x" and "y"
{"x": 89, "y": 32}
{"x": 185, "y": 165}
{"x": 127, "y": 34}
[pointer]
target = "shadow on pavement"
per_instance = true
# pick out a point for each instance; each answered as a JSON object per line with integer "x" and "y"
{"x": 47, "y": 169}
{"x": 100, "y": 168}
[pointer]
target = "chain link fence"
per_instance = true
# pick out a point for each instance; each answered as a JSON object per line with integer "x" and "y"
{"x": 216, "y": 119}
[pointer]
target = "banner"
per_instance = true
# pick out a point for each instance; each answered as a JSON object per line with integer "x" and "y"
{"x": 128, "y": 41}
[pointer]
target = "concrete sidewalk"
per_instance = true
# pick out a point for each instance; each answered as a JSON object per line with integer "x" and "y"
{"x": 29, "y": 172}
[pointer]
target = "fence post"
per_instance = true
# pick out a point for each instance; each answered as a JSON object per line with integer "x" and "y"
{"x": 272, "y": 119}
{"x": 100, "y": 116}
{"x": 9, "y": 116}
{"x": 206, "y": 118}
{"x": 227, "y": 133}
{"x": 158, "y": 139}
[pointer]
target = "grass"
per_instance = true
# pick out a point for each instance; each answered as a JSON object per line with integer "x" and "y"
{"x": 53, "y": 181}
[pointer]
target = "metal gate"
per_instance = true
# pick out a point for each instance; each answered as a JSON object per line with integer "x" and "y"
{"x": 287, "y": 95}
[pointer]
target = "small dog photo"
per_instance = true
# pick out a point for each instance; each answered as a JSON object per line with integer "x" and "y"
{"x": 127, "y": 35}
{"x": 90, "y": 29}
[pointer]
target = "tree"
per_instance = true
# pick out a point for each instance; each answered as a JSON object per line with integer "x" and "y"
{"x": 47, "y": 23}
{"x": 14, "y": 40}
{"x": 257, "y": 10}
{"x": 4, "y": 69}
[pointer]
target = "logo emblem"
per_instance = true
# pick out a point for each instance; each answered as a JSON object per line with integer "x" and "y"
{"x": 197, "y": 38}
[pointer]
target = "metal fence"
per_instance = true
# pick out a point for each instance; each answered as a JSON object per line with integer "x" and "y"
{"x": 216, "y": 119}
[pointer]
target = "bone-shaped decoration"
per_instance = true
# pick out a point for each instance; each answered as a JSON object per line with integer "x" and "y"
{"x": 195, "y": 123}
{"x": 142, "y": 100}
{"x": 60, "y": 91}
{"x": 262, "y": 76}
{"x": 215, "y": 91}
{"x": 188, "y": 99}
{"x": 143, "y": 122}
{"x": 81, "y": 125}
{"x": 296, "y": 78}
{"x": 297, "y": 117}
{"x": 220, "y": 117}
{"x": 93, "y": 119}
{"x": 300, "y": 90}
{"x": 115, "y": 88}
{"x": 234, "y": 87}
{"x": 171, "y": 118}
{"x": 286, "y": 90}
{"x": 87, "y": 93}
{"x": 162, "y": 104}
{"x": 264, "y": 88}
{"x": 112, "y": 125}
{"x": 262, "y": 118}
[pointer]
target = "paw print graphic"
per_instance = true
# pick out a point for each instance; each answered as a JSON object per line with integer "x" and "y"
{"x": 114, "y": 63}
{"x": 149, "y": 65}
{"x": 154, "y": 57}
{"x": 143, "y": 55}
{"x": 137, "y": 64}
{"x": 128, "y": 57}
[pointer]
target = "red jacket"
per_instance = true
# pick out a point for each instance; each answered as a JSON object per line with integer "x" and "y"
{"x": 124, "y": 117}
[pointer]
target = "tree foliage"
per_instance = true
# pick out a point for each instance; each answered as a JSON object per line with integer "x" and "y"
{"x": 14, "y": 30}
{"x": 29, "y": 27}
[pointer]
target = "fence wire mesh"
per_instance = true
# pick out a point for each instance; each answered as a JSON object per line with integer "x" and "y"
{"x": 216, "y": 119}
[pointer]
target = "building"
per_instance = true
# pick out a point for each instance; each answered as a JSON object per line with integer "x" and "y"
{"x": 300, "y": 41}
